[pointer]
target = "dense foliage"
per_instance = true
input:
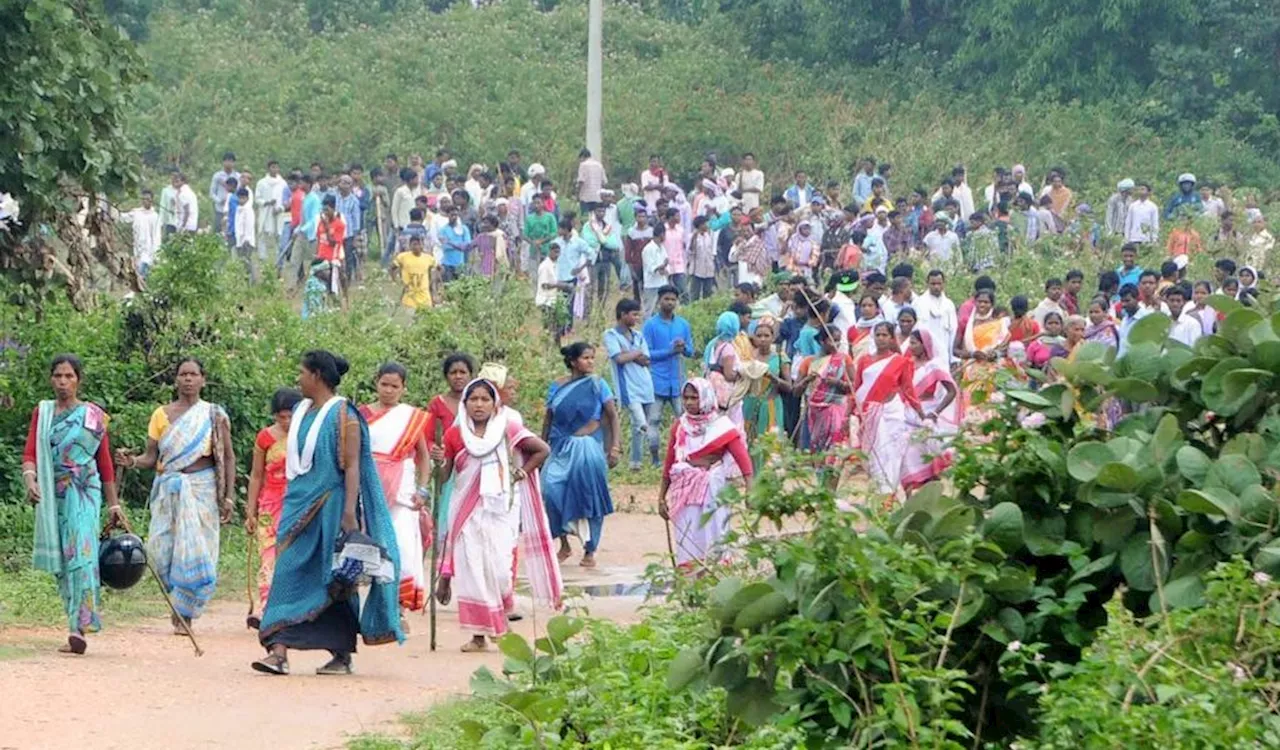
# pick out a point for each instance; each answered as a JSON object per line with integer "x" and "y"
{"x": 665, "y": 91}
{"x": 69, "y": 79}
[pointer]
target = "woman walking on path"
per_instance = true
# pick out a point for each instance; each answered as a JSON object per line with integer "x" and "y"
{"x": 266, "y": 491}
{"x": 459, "y": 369}
{"x": 67, "y": 468}
{"x": 580, "y": 409}
{"x": 189, "y": 446}
{"x": 883, "y": 382}
{"x": 498, "y": 506}
{"x": 397, "y": 439}
{"x": 333, "y": 496}
{"x": 696, "y": 470}
{"x": 928, "y": 454}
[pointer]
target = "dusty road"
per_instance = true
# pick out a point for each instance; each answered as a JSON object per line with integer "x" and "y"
{"x": 140, "y": 687}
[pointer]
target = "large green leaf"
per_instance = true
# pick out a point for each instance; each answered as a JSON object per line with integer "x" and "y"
{"x": 728, "y": 613}
{"x": 1086, "y": 459}
{"x": 1234, "y": 472}
{"x": 762, "y": 611}
{"x": 514, "y": 646}
{"x": 1223, "y": 304}
{"x": 1014, "y": 584}
{"x": 1003, "y": 526}
{"x": 1145, "y": 361}
{"x": 1237, "y": 324}
{"x": 1267, "y": 558}
{"x": 1215, "y": 347}
{"x": 1151, "y": 329}
{"x": 1118, "y": 476}
{"x": 562, "y": 627}
{"x": 1030, "y": 398}
{"x": 1266, "y": 355}
{"x": 953, "y": 524}
{"x": 1137, "y": 565}
{"x": 1166, "y": 439}
{"x": 1193, "y": 464}
{"x": 685, "y": 668}
{"x": 1112, "y": 528}
{"x": 1133, "y": 389}
{"x": 1213, "y": 501}
{"x": 1238, "y": 384}
{"x": 1180, "y": 593}
{"x": 1093, "y": 567}
{"x": 1213, "y": 391}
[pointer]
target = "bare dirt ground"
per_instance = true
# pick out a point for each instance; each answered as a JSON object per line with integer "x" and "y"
{"x": 139, "y": 687}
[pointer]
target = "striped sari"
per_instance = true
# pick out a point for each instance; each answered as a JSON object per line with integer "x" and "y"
{"x": 828, "y": 407}
{"x": 184, "y": 535}
{"x": 393, "y": 439}
{"x": 270, "y": 501}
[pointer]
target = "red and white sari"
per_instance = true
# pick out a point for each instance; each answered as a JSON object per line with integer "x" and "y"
{"x": 882, "y": 383}
{"x": 393, "y": 438}
{"x": 928, "y": 453}
{"x": 488, "y": 516}
{"x": 700, "y": 523}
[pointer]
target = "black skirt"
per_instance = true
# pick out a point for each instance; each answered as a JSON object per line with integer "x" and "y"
{"x": 334, "y": 629}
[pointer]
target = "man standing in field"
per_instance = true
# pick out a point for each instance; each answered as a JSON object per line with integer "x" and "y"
{"x": 591, "y": 179}
{"x": 188, "y": 208}
{"x": 146, "y": 234}
{"x": 218, "y": 191}
{"x": 270, "y": 206}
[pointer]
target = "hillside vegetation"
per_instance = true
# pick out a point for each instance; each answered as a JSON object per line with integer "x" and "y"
{"x": 258, "y": 80}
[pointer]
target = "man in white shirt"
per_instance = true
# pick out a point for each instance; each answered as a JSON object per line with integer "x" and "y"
{"x": 146, "y": 234}
{"x": 1210, "y": 203}
{"x": 1020, "y": 176}
{"x": 936, "y": 313}
{"x": 899, "y": 296}
{"x": 750, "y": 183}
{"x": 218, "y": 191}
{"x": 591, "y": 179}
{"x": 1142, "y": 224}
{"x": 272, "y": 210}
{"x": 962, "y": 193}
{"x": 244, "y": 234}
{"x": 1118, "y": 206}
{"x": 876, "y": 231}
{"x": 656, "y": 275}
{"x": 989, "y": 192}
{"x": 941, "y": 243}
{"x": 1186, "y": 326}
{"x": 1052, "y": 302}
{"x": 652, "y": 181}
{"x": 188, "y": 208}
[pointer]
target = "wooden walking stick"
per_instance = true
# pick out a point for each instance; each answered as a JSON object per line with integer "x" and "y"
{"x": 435, "y": 551}
{"x": 250, "y": 555}
{"x": 186, "y": 629}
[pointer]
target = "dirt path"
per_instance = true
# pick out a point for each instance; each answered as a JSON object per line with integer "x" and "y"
{"x": 139, "y": 687}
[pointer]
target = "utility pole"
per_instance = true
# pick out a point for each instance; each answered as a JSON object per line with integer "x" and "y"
{"x": 595, "y": 33}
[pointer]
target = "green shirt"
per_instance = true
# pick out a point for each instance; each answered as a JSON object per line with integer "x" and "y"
{"x": 538, "y": 228}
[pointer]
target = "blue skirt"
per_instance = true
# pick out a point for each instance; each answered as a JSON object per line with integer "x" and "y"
{"x": 575, "y": 484}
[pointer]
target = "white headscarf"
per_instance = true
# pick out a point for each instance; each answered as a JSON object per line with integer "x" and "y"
{"x": 490, "y": 449}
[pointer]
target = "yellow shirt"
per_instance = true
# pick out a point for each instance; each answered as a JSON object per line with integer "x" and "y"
{"x": 159, "y": 425}
{"x": 867, "y": 205}
{"x": 415, "y": 273}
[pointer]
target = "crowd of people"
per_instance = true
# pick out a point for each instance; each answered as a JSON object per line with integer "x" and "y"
{"x": 834, "y": 343}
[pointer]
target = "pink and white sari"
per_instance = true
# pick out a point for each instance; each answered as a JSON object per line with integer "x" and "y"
{"x": 883, "y": 385}
{"x": 928, "y": 453}
{"x": 488, "y": 516}
{"x": 393, "y": 439}
{"x": 700, "y": 523}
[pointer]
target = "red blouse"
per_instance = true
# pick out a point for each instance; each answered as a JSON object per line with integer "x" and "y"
{"x": 106, "y": 469}
{"x": 439, "y": 416}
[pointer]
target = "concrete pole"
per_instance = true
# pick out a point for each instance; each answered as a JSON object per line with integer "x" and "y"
{"x": 595, "y": 62}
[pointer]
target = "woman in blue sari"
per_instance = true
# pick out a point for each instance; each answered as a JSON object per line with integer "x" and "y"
{"x": 189, "y": 446}
{"x": 67, "y": 469}
{"x": 333, "y": 489}
{"x": 575, "y": 485}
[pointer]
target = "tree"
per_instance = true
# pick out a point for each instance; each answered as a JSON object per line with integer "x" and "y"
{"x": 69, "y": 81}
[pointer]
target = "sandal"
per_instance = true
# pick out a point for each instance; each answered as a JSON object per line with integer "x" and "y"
{"x": 252, "y": 622}
{"x": 587, "y": 562}
{"x": 338, "y": 665}
{"x": 272, "y": 664}
{"x": 473, "y": 647}
{"x": 177, "y": 624}
{"x": 76, "y": 644}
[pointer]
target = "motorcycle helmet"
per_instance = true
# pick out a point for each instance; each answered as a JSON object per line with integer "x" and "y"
{"x": 122, "y": 559}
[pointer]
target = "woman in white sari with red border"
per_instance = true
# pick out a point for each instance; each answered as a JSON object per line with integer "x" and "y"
{"x": 695, "y": 472}
{"x": 882, "y": 383}
{"x": 397, "y": 439}
{"x": 493, "y": 506}
{"x": 928, "y": 454}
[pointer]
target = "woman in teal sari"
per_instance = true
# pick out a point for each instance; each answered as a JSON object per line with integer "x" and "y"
{"x": 189, "y": 446}
{"x": 575, "y": 483}
{"x": 333, "y": 489}
{"x": 67, "y": 469}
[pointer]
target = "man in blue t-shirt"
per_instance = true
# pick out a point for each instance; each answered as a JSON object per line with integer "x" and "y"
{"x": 629, "y": 355}
{"x": 669, "y": 339}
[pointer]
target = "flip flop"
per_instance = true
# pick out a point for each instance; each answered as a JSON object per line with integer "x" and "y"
{"x": 76, "y": 644}
{"x": 335, "y": 667}
{"x": 471, "y": 647}
{"x": 271, "y": 665}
